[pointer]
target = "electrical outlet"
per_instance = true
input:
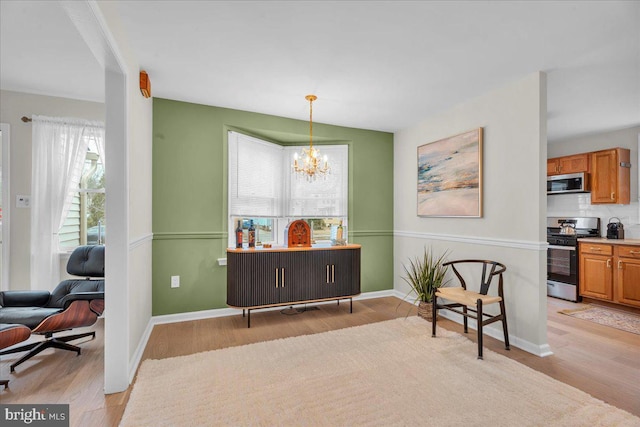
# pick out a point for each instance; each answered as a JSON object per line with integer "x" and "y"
{"x": 175, "y": 281}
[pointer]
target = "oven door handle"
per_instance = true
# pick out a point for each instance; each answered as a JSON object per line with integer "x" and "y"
{"x": 563, "y": 248}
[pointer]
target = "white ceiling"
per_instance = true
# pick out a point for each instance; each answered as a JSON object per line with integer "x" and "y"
{"x": 382, "y": 65}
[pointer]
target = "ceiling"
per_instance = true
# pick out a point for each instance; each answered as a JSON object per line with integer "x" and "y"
{"x": 381, "y": 65}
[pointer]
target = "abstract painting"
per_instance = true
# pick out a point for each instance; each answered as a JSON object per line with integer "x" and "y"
{"x": 450, "y": 176}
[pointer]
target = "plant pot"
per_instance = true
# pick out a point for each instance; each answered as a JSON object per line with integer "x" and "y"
{"x": 425, "y": 310}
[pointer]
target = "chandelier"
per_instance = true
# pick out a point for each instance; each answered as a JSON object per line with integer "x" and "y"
{"x": 310, "y": 164}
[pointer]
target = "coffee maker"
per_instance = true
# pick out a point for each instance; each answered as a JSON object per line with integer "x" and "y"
{"x": 615, "y": 230}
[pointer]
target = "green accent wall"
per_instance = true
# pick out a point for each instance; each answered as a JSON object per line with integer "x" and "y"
{"x": 190, "y": 197}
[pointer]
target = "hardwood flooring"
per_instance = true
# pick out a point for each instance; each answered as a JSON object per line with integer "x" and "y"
{"x": 597, "y": 359}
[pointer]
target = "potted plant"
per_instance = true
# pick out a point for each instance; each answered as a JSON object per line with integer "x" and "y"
{"x": 425, "y": 274}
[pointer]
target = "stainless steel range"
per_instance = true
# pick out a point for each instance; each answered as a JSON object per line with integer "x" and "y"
{"x": 562, "y": 255}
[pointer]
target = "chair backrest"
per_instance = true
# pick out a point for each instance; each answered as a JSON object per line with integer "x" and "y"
{"x": 73, "y": 286}
{"x": 496, "y": 269}
{"x": 87, "y": 261}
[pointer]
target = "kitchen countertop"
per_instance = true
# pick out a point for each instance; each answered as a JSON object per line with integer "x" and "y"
{"x": 609, "y": 241}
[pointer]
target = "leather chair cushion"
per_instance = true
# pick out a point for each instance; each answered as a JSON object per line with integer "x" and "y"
{"x": 28, "y": 316}
{"x": 73, "y": 286}
{"x": 87, "y": 261}
{"x": 24, "y": 298}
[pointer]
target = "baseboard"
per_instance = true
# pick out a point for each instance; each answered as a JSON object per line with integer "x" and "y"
{"x": 537, "y": 350}
{"x": 137, "y": 355}
{"x": 207, "y": 314}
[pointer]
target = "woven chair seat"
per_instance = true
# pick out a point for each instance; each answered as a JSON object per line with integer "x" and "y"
{"x": 463, "y": 296}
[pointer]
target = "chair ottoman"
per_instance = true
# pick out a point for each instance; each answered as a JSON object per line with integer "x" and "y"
{"x": 11, "y": 334}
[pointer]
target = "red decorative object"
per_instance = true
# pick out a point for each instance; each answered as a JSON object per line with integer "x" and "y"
{"x": 145, "y": 84}
{"x": 298, "y": 234}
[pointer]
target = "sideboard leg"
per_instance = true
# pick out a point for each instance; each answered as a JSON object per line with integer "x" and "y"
{"x": 338, "y": 303}
{"x": 243, "y": 312}
{"x": 350, "y": 305}
{"x": 248, "y": 318}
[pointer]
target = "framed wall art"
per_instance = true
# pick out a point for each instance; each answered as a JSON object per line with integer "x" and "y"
{"x": 450, "y": 176}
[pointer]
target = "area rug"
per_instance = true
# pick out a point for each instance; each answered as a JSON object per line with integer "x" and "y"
{"x": 606, "y": 316}
{"x": 390, "y": 373}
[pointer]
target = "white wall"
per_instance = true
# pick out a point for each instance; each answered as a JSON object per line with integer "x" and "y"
{"x": 125, "y": 335}
{"x": 14, "y": 105}
{"x": 580, "y": 204}
{"x": 511, "y": 230}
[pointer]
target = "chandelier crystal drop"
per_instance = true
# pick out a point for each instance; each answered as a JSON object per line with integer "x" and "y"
{"x": 308, "y": 163}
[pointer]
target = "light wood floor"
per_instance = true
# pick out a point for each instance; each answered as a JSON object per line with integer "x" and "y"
{"x": 601, "y": 361}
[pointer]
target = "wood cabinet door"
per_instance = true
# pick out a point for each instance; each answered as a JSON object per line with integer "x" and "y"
{"x": 252, "y": 279}
{"x": 610, "y": 176}
{"x": 296, "y": 276}
{"x": 603, "y": 177}
{"x": 628, "y": 283}
{"x": 574, "y": 164}
{"x": 553, "y": 167}
{"x": 596, "y": 277}
{"x": 347, "y": 271}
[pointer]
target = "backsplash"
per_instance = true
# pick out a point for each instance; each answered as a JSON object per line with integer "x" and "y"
{"x": 579, "y": 204}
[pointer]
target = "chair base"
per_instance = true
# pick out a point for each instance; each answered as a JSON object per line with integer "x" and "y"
{"x": 50, "y": 342}
{"x": 4, "y": 383}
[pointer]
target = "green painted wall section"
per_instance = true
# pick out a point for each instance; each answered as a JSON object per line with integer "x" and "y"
{"x": 190, "y": 197}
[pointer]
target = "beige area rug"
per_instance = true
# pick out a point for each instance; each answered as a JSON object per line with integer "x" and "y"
{"x": 390, "y": 373}
{"x": 607, "y": 316}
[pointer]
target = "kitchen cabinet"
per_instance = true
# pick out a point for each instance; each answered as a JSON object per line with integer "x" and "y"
{"x": 610, "y": 176}
{"x": 610, "y": 272}
{"x": 269, "y": 278}
{"x": 596, "y": 271}
{"x": 568, "y": 164}
{"x": 628, "y": 280}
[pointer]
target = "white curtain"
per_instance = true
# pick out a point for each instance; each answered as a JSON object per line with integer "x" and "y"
{"x": 59, "y": 148}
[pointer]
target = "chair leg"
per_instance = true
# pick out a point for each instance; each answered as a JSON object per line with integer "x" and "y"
{"x": 504, "y": 325}
{"x": 465, "y": 319}
{"x": 479, "y": 320}
{"x": 434, "y": 310}
{"x": 5, "y": 383}
{"x": 60, "y": 343}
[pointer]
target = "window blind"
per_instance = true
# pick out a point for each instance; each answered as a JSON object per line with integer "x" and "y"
{"x": 263, "y": 184}
{"x": 255, "y": 177}
{"x": 327, "y": 196}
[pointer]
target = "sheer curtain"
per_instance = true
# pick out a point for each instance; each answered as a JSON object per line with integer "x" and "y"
{"x": 59, "y": 149}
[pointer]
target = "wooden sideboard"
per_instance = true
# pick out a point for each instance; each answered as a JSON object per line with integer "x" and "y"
{"x": 261, "y": 278}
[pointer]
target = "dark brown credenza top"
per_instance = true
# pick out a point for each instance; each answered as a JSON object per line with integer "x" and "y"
{"x": 294, "y": 249}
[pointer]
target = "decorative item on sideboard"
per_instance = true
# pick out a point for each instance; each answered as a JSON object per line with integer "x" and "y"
{"x": 298, "y": 234}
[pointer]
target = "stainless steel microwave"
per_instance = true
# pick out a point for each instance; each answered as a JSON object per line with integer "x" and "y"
{"x": 569, "y": 183}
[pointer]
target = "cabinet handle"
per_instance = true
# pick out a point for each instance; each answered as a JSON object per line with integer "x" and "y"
{"x": 619, "y": 264}
{"x": 591, "y": 248}
{"x": 613, "y": 195}
{"x": 276, "y": 277}
{"x": 327, "y": 273}
{"x": 609, "y": 263}
{"x": 634, "y": 252}
{"x": 283, "y": 277}
{"x": 333, "y": 273}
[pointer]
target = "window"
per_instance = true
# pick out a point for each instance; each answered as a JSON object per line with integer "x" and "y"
{"x": 85, "y": 222}
{"x": 263, "y": 189}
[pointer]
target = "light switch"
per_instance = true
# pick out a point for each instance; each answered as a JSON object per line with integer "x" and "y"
{"x": 23, "y": 201}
